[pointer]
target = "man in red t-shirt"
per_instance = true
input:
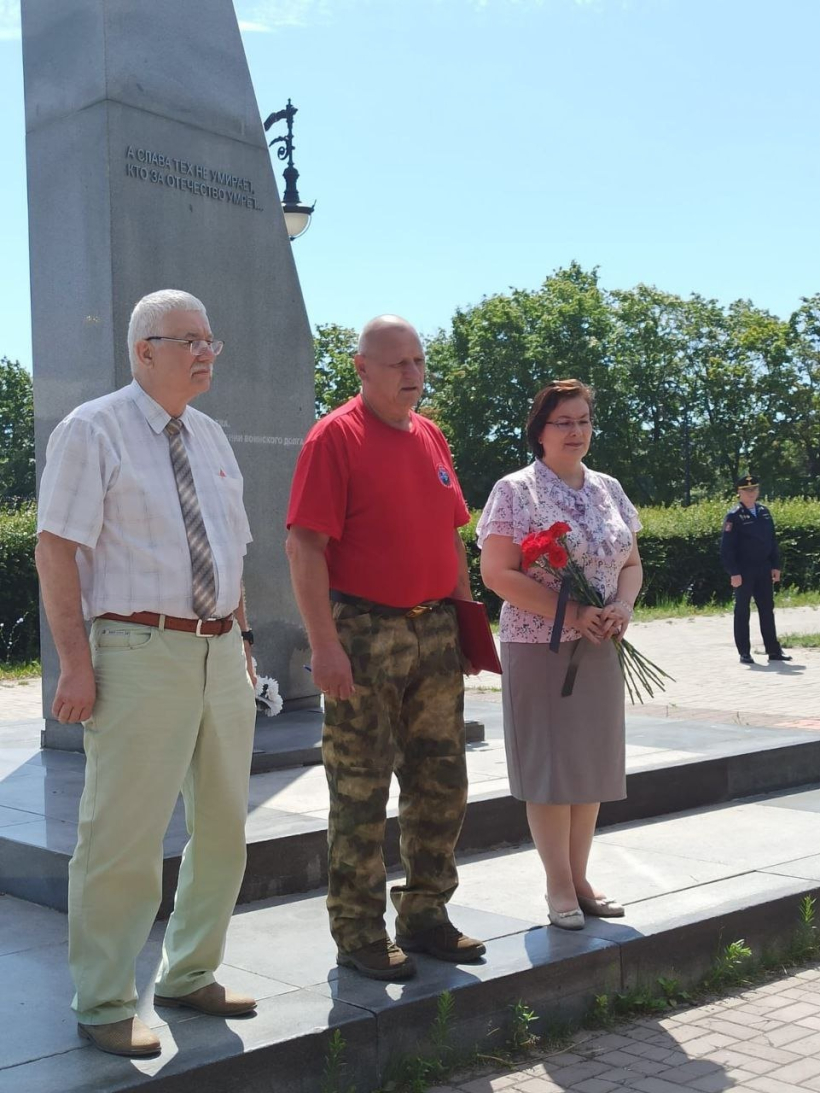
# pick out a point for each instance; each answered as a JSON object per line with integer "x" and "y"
{"x": 374, "y": 553}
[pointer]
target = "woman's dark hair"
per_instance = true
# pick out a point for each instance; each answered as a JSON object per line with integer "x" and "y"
{"x": 556, "y": 391}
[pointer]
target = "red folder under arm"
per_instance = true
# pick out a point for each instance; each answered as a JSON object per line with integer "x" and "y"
{"x": 477, "y": 642}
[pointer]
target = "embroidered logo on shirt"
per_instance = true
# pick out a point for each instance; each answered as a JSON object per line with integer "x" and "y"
{"x": 443, "y": 475}
{"x": 728, "y": 525}
{"x": 222, "y": 473}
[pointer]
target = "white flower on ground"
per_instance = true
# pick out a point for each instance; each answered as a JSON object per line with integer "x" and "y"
{"x": 268, "y": 699}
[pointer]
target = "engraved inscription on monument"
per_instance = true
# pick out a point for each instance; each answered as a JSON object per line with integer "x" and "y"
{"x": 174, "y": 173}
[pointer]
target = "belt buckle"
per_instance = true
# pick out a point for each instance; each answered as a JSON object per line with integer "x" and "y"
{"x": 198, "y": 632}
{"x": 419, "y": 609}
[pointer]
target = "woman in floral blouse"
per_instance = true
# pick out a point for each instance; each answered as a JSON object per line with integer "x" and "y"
{"x": 565, "y": 754}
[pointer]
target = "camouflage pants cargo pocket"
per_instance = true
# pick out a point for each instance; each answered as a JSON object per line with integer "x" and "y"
{"x": 406, "y": 716}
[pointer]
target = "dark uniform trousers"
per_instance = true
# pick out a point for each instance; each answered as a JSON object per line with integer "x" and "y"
{"x": 757, "y": 585}
{"x": 407, "y": 716}
{"x": 748, "y": 547}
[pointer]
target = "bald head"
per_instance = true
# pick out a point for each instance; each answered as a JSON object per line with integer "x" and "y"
{"x": 380, "y": 329}
{"x": 390, "y": 363}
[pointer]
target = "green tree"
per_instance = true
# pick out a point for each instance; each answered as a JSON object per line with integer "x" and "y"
{"x": 498, "y": 354}
{"x": 801, "y": 394}
{"x": 752, "y": 427}
{"x": 335, "y": 377}
{"x": 649, "y": 358}
{"x": 16, "y": 431}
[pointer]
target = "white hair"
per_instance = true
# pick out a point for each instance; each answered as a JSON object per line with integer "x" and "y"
{"x": 149, "y": 311}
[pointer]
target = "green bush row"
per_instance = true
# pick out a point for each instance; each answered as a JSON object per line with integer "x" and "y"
{"x": 680, "y": 552}
{"x": 679, "y": 548}
{"x": 19, "y": 613}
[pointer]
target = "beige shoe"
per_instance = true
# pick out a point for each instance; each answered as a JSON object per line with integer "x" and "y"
{"x": 602, "y": 907}
{"x": 214, "y": 1000}
{"x": 130, "y": 1037}
{"x": 566, "y": 920}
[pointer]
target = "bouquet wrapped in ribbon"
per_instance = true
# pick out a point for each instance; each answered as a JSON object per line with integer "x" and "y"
{"x": 549, "y": 551}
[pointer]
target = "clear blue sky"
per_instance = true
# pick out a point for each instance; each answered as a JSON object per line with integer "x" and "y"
{"x": 460, "y": 147}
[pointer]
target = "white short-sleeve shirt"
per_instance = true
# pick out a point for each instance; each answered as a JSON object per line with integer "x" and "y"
{"x": 602, "y": 520}
{"x": 108, "y": 484}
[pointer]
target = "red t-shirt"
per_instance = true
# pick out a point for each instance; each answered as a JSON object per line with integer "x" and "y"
{"x": 388, "y": 499}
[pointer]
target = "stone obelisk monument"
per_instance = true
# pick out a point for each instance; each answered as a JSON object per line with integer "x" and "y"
{"x": 148, "y": 168}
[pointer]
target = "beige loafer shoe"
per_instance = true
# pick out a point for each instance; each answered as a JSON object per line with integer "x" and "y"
{"x": 130, "y": 1037}
{"x": 213, "y": 1000}
{"x": 603, "y": 907}
{"x": 566, "y": 920}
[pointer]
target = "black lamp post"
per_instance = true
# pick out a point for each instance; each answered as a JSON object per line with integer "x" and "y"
{"x": 297, "y": 215}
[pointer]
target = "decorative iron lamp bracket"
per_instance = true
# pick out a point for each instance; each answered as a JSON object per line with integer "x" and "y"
{"x": 297, "y": 215}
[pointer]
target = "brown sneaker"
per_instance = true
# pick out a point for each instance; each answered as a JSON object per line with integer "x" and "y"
{"x": 130, "y": 1037}
{"x": 379, "y": 960}
{"x": 214, "y": 1000}
{"x": 444, "y": 942}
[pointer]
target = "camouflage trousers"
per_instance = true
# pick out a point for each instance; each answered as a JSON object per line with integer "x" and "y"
{"x": 407, "y": 716}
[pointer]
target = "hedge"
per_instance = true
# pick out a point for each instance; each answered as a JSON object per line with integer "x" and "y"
{"x": 679, "y": 548}
{"x": 680, "y": 552}
{"x": 19, "y": 601}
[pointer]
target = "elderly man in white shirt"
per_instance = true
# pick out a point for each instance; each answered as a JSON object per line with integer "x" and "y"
{"x": 142, "y": 529}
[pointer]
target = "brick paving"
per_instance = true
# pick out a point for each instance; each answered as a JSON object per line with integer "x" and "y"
{"x": 700, "y": 653}
{"x": 764, "y": 1040}
{"x": 20, "y": 700}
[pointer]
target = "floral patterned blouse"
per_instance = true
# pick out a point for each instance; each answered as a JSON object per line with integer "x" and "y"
{"x": 602, "y": 519}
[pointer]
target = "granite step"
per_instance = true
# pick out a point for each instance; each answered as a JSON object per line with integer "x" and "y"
{"x": 672, "y": 765}
{"x": 692, "y": 882}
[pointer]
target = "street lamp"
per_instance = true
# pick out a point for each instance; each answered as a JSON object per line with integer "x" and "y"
{"x": 297, "y": 215}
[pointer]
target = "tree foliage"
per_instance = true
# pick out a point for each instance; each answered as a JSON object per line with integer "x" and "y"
{"x": 16, "y": 431}
{"x": 689, "y": 393}
{"x": 484, "y": 373}
{"x": 335, "y": 377}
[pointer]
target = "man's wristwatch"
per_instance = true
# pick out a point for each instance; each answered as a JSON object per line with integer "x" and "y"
{"x": 247, "y": 635}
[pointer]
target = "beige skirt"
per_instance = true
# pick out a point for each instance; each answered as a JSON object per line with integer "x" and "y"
{"x": 563, "y": 750}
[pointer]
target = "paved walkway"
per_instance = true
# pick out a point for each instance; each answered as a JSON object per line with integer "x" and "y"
{"x": 698, "y": 651}
{"x": 765, "y": 1040}
{"x": 20, "y": 700}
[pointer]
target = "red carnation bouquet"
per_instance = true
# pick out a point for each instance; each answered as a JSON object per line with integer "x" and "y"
{"x": 549, "y": 551}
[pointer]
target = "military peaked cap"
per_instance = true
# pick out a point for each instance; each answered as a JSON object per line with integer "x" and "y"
{"x": 746, "y": 481}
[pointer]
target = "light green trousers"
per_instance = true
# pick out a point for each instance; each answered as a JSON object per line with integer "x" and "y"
{"x": 173, "y": 712}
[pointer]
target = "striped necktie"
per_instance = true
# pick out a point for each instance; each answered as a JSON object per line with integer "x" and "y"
{"x": 202, "y": 563}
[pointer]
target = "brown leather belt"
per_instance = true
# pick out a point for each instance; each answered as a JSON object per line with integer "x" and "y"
{"x": 203, "y": 628}
{"x": 382, "y": 609}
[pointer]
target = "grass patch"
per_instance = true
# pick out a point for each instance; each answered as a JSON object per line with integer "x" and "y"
{"x": 801, "y": 641}
{"x": 26, "y": 669}
{"x": 680, "y": 609}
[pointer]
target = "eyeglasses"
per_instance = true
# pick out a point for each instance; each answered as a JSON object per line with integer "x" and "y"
{"x": 196, "y": 348}
{"x": 568, "y": 424}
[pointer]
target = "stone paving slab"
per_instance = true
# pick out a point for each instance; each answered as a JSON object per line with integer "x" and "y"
{"x": 686, "y": 893}
{"x": 699, "y": 651}
{"x": 670, "y": 764}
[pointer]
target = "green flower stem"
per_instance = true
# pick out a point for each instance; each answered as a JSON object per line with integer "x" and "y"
{"x": 640, "y": 674}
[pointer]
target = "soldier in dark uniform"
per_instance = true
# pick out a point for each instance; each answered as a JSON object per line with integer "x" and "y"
{"x": 748, "y": 550}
